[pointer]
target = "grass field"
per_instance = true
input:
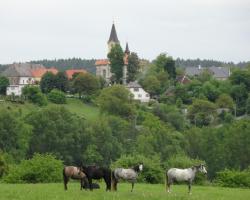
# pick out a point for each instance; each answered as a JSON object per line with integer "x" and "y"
{"x": 141, "y": 192}
{"x": 73, "y": 105}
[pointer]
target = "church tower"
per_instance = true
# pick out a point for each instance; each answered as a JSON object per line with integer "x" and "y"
{"x": 113, "y": 39}
{"x": 125, "y": 67}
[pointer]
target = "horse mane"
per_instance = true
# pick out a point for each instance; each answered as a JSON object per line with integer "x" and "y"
{"x": 136, "y": 168}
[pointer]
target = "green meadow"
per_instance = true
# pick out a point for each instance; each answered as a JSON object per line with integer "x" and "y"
{"x": 55, "y": 191}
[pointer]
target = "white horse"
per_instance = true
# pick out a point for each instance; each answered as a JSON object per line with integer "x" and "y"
{"x": 188, "y": 175}
{"x": 126, "y": 174}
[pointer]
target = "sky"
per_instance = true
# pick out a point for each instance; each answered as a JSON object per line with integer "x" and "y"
{"x": 54, "y": 29}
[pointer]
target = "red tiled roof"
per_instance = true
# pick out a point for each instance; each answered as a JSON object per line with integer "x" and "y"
{"x": 102, "y": 62}
{"x": 70, "y": 72}
{"x": 41, "y": 71}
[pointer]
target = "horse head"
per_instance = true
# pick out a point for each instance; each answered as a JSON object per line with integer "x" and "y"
{"x": 138, "y": 168}
{"x": 202, "y": 169}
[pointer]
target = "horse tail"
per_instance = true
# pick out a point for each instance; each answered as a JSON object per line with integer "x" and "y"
{"x": 65, "y": 179}
{"x": 166, "y": 180}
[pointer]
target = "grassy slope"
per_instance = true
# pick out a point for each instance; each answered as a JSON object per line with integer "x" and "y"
{"x": 141, "y": 191}
{"x": 73, "y": 105}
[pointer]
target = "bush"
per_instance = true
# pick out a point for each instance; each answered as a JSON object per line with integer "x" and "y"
{"x": 57, "y": 96}
{"x": 40, "y": 169}
{"x": 183, "y": 161}
{"x": 152, "y": 171}
{"x": 34, "y": 95}
{"x": 233, "y": 178}
{"x": 3, "y": 165}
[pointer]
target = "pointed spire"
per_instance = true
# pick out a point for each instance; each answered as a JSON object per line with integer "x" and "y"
{"x": 113, "y": 36}
{"x": 127, "y": 49}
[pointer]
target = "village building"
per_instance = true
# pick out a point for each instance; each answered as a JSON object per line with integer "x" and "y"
{"x": 219, "y": 73}
{"x": 103, "y": 68}
{"x": 37, "y": 74}
{"x": 138, "y": 92}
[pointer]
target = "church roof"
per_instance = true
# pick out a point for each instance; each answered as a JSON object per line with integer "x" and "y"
{"x": 102, "y": 62}
{"x": 127, "y": 49}
{"x": 113, "y": 36}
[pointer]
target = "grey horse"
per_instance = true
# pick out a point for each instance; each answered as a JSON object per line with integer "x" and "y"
{"x": 188, "y": 175}
{"x": 126, "y": 174}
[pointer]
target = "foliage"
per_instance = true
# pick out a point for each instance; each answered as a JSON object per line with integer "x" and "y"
{"x": 201, "y": 112}
{"x": 4, "y": 83}
{"x": 167, "y": 64}
{"x": 152, "y": 171}
{"x": 34, "y": 95}
{"x": 116, "y": 62}
{"x": 133, "y": 66}
{"x": 14, "y": 134}
{"x": 57, "y": 131}
{"x": 239, "y": 94}
{"x": 225, "y": 101}
{"x": 233, "y": 178}
{"x": 57, "y": 96}
{"x": 117, "y": 100}
{"x": 47, "y": 82}
{"x": 86, "y": 84}
{"x": 40, "y": 169}
{"x": 151, "y": 84}
{"x": 61, "y": 81}
{"x": 169, "y": 114}
{"x": 3, "y": 164}
{"x": 239, "y": 77}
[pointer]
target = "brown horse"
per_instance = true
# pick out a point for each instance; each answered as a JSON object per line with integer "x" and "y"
{"x": 74, "y": 173}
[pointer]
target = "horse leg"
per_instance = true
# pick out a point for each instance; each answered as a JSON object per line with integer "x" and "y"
{"x": 90, "y": 184}
{"x": 66, "y": 180}
{"x": 107, "y": 180}
{"x": 133, "y": 183}
{"x": 189, "y": 187}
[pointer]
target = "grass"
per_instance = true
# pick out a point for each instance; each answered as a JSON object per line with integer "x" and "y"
{"x": 55, "y": 191}
{"x": 73, "y": 105}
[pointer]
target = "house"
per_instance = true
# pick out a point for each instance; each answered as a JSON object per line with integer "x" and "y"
{"x": 70, "y": 72}
{"x": 219, "y": 73}
{"x": 38, "y": 73}
{"x": 183, "y": 79}
{"x": 19, "y": 75}
{"x": 138, "y": 92}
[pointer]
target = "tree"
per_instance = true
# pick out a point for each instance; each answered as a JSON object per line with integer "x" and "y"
{"x": 34, "y": 95}
{"x": 57, "y": 96}
{"x": 117, "y": 100}
{"x": 241, "y": 77}
{"x": 201, "y": 112}
{"x": 210, "y": 91}
{"x": 4, "y": 83}
{"x": 166, "y": 63}
{"x": 61, "y": 82}
{"x": 86, "y": 84}
{"x": 14, "y": 134}
{"x": 116, "y": 56}
{"x": 47, "y": 82}
{"x": 151, "y": 84}
{"x": 133, "y": 66}
{"x": 225, "y": 101}
{"x": 239, "y": 94}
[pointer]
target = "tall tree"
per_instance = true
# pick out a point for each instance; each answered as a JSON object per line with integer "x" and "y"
{"x": 47, "y": 82}
{"x": 133, "y": 66}
{"x": 116, "y": 56}
{"x": 61, "y": 81}
{"x": 86, "y": 84}
{"x": 166, "y": 63}
{"x": 4, "y": 83}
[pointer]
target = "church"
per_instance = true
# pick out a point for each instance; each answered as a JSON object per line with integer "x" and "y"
{"x": 103, "y": 68}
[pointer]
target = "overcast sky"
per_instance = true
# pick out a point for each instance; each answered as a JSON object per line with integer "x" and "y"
{"x": 48, "y": 29}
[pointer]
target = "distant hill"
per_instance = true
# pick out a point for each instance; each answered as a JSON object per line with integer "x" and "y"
{"x": 64, "y": 64}
{"x": 207, "y": 63}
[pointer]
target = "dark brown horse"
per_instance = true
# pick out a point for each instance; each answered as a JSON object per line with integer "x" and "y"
{"x": 95, "y": 172}
{"x": 74, "y": 173}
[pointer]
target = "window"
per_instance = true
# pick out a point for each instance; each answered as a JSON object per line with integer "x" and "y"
{"x": 136, "y": 89}
{"x": 139, "y": 95}
{"x": 147, "y": 95}
{"x": 104, "y": 73}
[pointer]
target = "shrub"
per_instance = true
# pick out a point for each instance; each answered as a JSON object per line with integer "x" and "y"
{"x": 34, "y": 94}
{"x": 152, "y": 171}
{"x": 57, "y": 96}
{"x": 3, "y": 165}
{"x": 40, "y": 169}
{"x": 233, "y": 178}
{"x": 183, "y": 161}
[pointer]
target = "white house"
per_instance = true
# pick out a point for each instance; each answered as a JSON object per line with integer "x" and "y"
{"x": 19, "y": 75}
{"x": 138, "y": 92}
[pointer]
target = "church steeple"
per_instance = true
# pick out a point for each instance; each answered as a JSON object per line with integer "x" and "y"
{"x": 113, "y": 39}
{"x": 127, "y": 49}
